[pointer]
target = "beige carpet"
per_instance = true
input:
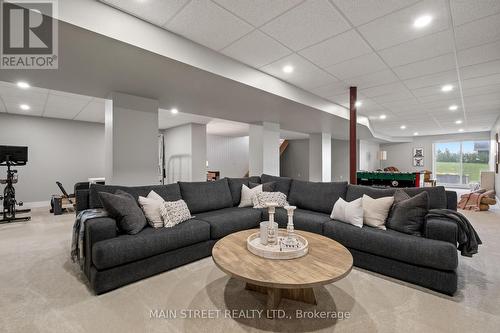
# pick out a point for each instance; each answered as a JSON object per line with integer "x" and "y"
{"x": 42, "y": 291}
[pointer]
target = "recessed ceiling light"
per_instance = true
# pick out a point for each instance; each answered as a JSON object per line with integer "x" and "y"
{"x": 461, "y": 130}
{"x": 288, "y": 69}
{"x": 23, "y": 85}
{"x": 24, "y": 107}
{"x": 382, "y": 116}
{"x": 416, "y": 133}
{"x": 422, "y": 21}
{"x": 458, "y": 122}
{"x": 174, "y": 111}
{"x": 403, "y": 127}
{"x": 453, "y": 108}
{"x": 447, "y": 87}
{"x": 358, "y": 104}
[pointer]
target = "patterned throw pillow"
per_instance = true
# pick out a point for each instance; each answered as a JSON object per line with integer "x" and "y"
{"x": 174, "y": 212}
{"x": 260, "y": 200}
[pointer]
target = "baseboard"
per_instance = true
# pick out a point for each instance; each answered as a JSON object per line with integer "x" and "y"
{"x": 36, "y": 204}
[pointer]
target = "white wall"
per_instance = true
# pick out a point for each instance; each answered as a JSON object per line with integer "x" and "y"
{"x": 58, "y": 150}
{"x": 495, "y": 130}
{"x": 229, "y": 155}
{"x": 368, "y": 155}
{"x": 400, "y": 155}
{"x": 340, "y": 160}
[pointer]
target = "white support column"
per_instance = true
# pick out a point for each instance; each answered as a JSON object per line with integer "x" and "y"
{"x": 320, "y": 157}
{"x": 264, "y": 149}
{"x": 131, "y": 140}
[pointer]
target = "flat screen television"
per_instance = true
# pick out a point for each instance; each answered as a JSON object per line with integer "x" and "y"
{"x": 15, "y": 154}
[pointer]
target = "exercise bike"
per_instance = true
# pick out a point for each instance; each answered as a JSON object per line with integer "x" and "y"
{"x": 9, "y": 193}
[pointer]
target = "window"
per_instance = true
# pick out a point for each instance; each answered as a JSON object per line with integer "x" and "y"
{"x": 460, "y": 162}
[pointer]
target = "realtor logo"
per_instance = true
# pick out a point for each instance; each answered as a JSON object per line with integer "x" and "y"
{"x": 29, "y": 36}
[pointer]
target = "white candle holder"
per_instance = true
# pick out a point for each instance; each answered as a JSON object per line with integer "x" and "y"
{"x": 290, "y": 241}
{"x": 272, "y": 237}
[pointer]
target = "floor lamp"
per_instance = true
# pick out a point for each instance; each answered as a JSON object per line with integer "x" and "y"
{"x": 382, "y": 156}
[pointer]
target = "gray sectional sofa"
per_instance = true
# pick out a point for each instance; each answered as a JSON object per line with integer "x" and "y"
{"x": 113, "y": 259}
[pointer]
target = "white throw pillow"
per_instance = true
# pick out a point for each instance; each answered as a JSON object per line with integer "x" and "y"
{"x": 260, "y": 200}
{"x": 247, "y": 195}
{"x": 174, "y": 212}
{"x": 376, "y": 211}
{"x": 348, "y": 212}
{"x": 151, "y": 207}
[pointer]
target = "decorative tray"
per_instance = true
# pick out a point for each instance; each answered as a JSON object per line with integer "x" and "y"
{"x": 277, "y": 251}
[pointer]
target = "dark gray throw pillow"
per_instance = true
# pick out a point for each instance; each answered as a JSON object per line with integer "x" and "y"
{"x": 266, "y": 187}
{"x": 124, "y": 209}
{"x": 408, "y": 213}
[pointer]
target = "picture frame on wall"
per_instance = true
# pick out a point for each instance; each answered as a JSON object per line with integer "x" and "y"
{"x": 418, "y": 157}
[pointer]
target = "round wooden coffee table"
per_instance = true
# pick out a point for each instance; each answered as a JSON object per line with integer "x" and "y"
{"x": 327, "y": 261}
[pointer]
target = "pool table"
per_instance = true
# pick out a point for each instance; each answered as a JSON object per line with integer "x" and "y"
{"x": 390, "y": 179}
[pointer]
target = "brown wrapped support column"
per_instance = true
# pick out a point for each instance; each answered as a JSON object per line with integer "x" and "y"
{"x": 353, "y": 95}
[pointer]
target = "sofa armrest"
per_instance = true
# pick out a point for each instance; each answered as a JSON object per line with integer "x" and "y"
{"x": 82, "y": 200}
{"x": 451, "y": 200}
{"x": 96, "y": 230}
{"x": 441, "y": 229}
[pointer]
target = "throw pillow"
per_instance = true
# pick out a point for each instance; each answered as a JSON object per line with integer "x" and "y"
{"x": 348, "y": 212}
{"x": 375, "y": 211}
{"x": 247, "y": 194}
{"x": 151, "y": 207}
{"x": 174, "y": 212}
{"x": 266, "y": 187}
{"x": 124, "y": 209}
{"x": 408, "y": 213}
{"x": 261, "y": 199}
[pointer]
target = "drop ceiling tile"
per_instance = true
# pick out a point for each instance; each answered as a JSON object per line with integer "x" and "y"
{"x": 65, "y": 106}
{"x": 306, "y": 24}
{"x": 363, "y": 11}
{"x": 429, "y": 46}
{"x": 365, "y": 64}
{"x": 36, "y": 109}
{"x": 436, "y": 89}
{"x": 466, "y": 10}
{"x": 332, "y": 89}
{"x": 305, "y": 74}
{"x": 155, "y": 11}
{"x": 492, "y": 89}
{"x": 93, "y": 112}
{"x": 257, "y": 12}
{"x": 391, "y": 88}
{"x": 2, "y": 106}
{"x": 481, "y": 81}
{"x": 256, "y": 49}
{"x": 208, "y": 24}
{"x": 486, "y": 68}
{"x": 479, "y": 54}
{"x": 345, "y": 46}
{"x": 426, "y": 67}
{"x": 478, "y": 32}
{"x": 397, "y": 27}
{"x": 393, "y": 97}
{"x": 439, "y": 96}
{"x": 374, "y": 79}
{"x": 431, "y": 80}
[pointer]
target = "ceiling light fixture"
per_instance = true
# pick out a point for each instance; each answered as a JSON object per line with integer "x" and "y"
{"x": 416, "y": 133}
{"x": 382, "y": 117}
{"x": 174, "y": 111}
{"x": 358, "y": 104}
{"x": 447, "y": 88}
{"x": 23, "y": 85}
{"x": 288, "y": 69}
{"x": 24, "y": 107}
{"x": 453, "y": 108}
{"x": 422, "y": 21}
{"x": 403, "y": 127}
{"x": 458, "y": 122}
{"x": 461, "y": 130}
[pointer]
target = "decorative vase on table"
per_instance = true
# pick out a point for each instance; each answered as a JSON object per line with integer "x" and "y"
{"x": 272, "y": 232}
{"x": 290, "y": 241}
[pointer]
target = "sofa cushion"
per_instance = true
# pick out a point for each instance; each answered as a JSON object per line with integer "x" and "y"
{"x": 125, "y": 210}
{"x": 319, "y": 197}
{"x": 235, "y": 185}
{"x": 282, "y": 184}
{"x": 306, "y": 220}
{"x": 169, "y": 192}
{"x": 226, "y": 221}
{"x": 408, "y": 213}
{"x": 395, "y": 245}
{"x": 149, "y": 242}
{"x": 206, "y": 196}
{"x": 437, "y": 195}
